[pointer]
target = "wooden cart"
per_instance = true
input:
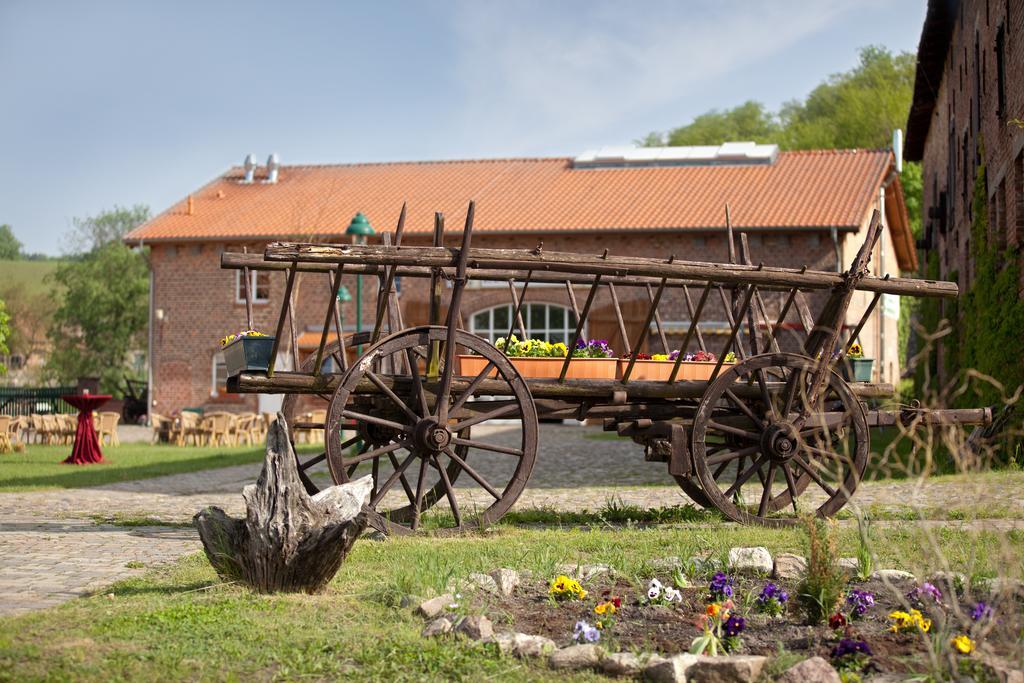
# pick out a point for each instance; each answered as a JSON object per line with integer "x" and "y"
{"x": 751, "y": 440}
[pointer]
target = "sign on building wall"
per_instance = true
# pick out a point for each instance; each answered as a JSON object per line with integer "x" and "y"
{"x": 891, "y": 306}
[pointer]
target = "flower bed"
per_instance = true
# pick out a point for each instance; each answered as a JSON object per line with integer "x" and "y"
{"x": 881, "y": 625}
{"x": 694, "y": 367}
{"x": 538, "y": 359}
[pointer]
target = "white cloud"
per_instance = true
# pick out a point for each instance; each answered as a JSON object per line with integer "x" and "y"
{"x": 537, "y": 74}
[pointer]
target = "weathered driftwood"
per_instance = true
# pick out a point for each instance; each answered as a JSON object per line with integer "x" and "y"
{"x": 289, "y": 541}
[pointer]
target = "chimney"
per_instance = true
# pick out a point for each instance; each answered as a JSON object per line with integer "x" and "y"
{"x": 273, "y": 165}
{"x": 250, "y": 168}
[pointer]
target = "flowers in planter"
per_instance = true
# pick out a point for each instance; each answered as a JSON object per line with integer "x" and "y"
{"x": 837, "y": 621}
{"x": 923, "y": 593}
{"x": 721, "y": 630}
{"x": 660, "y": 594}
{"x": 720, "y": 586}
{"x": 595, "y": 348}
{"x": 962, "y": 644}
{"x": 772, "y": 599}
{"x": 859, "y": 602}
{"x": 529, "y": 348}
{"x": 244, "y": 333}
{"x": 909, "y": 621}
{"x": 585, "y": 633}
{"x": 855, "y": 351}
{"x": 564, "y": 588}
{"x": 850, "y": 657}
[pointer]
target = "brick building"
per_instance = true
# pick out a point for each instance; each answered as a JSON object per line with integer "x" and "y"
{"x": 969, "y": 86}
{"x": 797, "y": 208}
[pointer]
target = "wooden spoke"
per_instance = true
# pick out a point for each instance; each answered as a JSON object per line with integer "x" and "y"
{"x": 375, "y": 453}
{"x": 312, "y": 461}
{"x": 448, "y": 490}
{"x": 375, "y": 475}
{"x": 399, "y": 471}
{"x": 765, "y": 396}
{"x": 401, "y": 477}
{"x": 813, "y": 475}
{"x": 766, "y": 494}
{"x": 468, "y": 393}
{"x": 486, "y": 446}
{"x": 735, "y": 431}
{"x": 790, "y": 484}
{"x": 483, "y": 417}
{"x": 417, "y": 384}
{"x": 392, "y": 395}
{"x": 744, "y": 409}
{"x": 726, "y": 457}
{"x": 418, "y": 503}
{"x": 473, "y": 473}
{"x": 373, "y": 419}
{"x": 741, "y": 479}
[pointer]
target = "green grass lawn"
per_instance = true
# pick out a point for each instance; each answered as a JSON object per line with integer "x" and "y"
{"x": 39, "y": 467}
{"x": 30, "y": 274}
{"x": 179, "y": 623}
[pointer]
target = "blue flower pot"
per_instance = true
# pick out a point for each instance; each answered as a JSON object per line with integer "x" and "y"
{"x": 248, "y": 354}
{"x": 860, "y": 369}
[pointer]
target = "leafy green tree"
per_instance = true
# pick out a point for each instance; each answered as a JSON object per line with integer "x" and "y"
{"x": 93, "y": 232}
{"x": 101, "y": 318}
{"x": 10, "y": 247}
{"x": 857, "y": 108}
{"x": 5, "y": 331}
{"x": 749, "y": 121}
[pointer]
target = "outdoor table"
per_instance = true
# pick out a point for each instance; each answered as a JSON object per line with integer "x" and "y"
{"x": 86, "y": 449}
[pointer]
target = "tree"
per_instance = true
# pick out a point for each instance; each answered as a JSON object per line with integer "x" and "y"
{"x": 101, "y": 318}
{"x": 10, "y": 247}
{"x": 4, "y": 332}
{"x": 93, "y": 232}
{"x": 748, "y": 121}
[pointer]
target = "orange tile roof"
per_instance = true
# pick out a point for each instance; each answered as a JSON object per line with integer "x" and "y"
{"x": 801, "y": 189}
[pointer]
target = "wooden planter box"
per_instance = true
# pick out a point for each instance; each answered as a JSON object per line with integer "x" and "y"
{"x": 661, "y": 370}
{"x": 248, "y": 354}
{"x": 545, "y": 368}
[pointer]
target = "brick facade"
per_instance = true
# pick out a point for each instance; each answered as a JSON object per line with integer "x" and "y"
{"x": 194, "y": 301}
{"x": 972, "y": 93}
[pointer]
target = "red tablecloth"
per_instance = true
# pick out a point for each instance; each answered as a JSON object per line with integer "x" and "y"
{"x": 87, "y": 447}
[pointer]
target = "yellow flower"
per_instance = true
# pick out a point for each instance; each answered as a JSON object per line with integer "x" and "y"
{"x": 901, "y": 620}
{"x": 659, "y": 356}
{"x": 714, "y": 609}
{"x": 963, "y": 645}
{"x": 601, "y": 609}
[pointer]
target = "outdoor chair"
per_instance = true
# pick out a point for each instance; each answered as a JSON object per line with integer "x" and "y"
{"x": 217, "y": 429}
{"x": 189, "y": 428}
{"x": 6, "y": 444}
{"x": 247, "y": 429}
{"x": 38, "y": 430}
{"x": 108, "y": 428}
{"x": 162, "y": 428}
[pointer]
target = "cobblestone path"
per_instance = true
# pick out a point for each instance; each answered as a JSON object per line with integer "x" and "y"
{"x": 52, "y": 548}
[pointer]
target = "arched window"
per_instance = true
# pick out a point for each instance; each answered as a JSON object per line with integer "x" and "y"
{"x": 550, "y": 322}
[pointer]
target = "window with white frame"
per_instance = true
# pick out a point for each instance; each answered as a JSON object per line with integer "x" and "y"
{"x": 259, "y": 282}
{"x": 550, "y": 322}
{"x": 218, "y": 375}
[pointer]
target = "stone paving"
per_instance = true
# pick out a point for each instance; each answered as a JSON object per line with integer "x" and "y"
{"x": 52, "y": 548}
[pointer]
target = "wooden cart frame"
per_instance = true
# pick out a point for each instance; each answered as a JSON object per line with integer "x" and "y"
{"x": 780, "y": 425}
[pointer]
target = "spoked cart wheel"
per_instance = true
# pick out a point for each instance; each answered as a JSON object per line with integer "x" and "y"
{"x": 758, "y": 443}
{"x": 290, "y": 407}
{"x": 416, "y": 442}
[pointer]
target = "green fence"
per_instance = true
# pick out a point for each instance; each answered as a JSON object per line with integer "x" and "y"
{"x": 16, "y": 401}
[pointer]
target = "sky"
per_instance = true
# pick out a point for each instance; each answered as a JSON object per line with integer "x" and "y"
{"x": 106, "y": 103}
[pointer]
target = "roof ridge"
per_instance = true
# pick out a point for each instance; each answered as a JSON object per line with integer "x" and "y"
{"x": 422, "y": 162}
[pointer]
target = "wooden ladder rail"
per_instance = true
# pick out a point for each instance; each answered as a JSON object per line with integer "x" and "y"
{"x": 693, "y": 329}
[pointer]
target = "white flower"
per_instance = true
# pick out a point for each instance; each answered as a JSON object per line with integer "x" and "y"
{"x": 653, "y": 592}
{"x": 673, "y": 595}
{"x": 654, "y": 584}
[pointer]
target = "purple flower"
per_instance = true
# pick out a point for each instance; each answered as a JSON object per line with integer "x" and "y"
{"x": 925, "y": 589}
{"x": 586, "y": 632}
{"x": 981, "y": 611}
{"x": 772, "y": 592}
{"x": 733, "y": 626}
{"x": 720, "y": 586}
{"x": 859, "y": 602}
{"x": 847, "y": 647}
{"x": 673, "y": 355}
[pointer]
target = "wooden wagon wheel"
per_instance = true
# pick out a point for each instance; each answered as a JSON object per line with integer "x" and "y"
{"x": 787, "y": 443}
{"x": 400, "y": 414}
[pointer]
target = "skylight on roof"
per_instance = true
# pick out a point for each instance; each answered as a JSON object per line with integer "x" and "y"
{"x": 729, "y": 153}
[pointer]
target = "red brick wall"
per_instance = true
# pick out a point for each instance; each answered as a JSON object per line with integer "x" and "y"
{"x": 967, "y": 109}
{"x": 196, "y": 299}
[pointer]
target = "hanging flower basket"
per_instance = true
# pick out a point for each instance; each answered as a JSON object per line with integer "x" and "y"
{"x": 248, "y": 351}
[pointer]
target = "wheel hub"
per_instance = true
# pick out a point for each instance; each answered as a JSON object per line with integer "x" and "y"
{"x": 431, "y": 436}
{"x": 780, "y": 441}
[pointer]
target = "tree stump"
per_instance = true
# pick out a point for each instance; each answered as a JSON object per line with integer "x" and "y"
{"x": 289, "y": 541}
